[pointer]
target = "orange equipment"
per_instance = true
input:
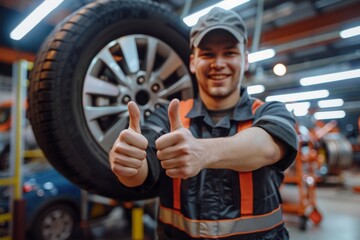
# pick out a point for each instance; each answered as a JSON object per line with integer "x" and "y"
{"x": 303, "y": 175}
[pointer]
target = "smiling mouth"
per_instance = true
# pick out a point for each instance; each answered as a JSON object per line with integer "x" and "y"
{"x": 218, "y": 77}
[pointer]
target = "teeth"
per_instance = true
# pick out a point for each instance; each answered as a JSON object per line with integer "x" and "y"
{"x": 218, "y": 77}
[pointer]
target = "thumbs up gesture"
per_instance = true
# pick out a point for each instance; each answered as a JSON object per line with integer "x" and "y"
{"x": 180, "y": 154}
{"x": 128, "y": 156}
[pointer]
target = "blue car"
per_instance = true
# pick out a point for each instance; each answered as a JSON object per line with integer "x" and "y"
{"x": 52, "y": 203}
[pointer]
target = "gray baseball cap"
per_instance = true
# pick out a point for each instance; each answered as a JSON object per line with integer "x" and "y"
{"x": 218, "y": 18}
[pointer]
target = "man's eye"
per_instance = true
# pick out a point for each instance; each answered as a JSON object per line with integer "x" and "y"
{"x": 206, "y": 54}
{"x": 231, "y": 53}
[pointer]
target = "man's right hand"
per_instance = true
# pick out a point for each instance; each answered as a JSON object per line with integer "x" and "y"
{"x": 128, "y": 156}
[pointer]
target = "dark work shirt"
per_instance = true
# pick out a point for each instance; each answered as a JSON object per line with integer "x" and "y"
{"x": 213, "y": 194}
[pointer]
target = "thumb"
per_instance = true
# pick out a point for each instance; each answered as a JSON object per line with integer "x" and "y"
{"x": 174, "y": 116}
{"x": 134, "y": 117}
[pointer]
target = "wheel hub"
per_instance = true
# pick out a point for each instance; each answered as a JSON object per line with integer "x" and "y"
{"x": 142, "y": 97}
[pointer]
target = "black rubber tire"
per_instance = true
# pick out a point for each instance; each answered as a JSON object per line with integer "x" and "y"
{"x": 57, "y": 221}
{"x": 56, "y": 91}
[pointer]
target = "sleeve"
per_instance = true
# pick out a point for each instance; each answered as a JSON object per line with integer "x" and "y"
{"x": 275, "y": 119}
{"x": 155, "y": 126}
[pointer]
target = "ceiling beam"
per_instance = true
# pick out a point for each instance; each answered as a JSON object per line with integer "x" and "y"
{"x": 9, "y": 56}
{"x": 18, "y": 5}
{"x": 321, "y": 23}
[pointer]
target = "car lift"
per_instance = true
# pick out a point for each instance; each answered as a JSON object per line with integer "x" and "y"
{"x": 13, "y": 178}
{"x": 136, "y": 207}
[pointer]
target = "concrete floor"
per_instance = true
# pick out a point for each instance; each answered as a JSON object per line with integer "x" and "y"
{"x": 339, "y": 206}
{"x": 340, "y": 209}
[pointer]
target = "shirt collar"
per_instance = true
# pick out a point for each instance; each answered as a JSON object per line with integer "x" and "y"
{"x": 243, "y": 109}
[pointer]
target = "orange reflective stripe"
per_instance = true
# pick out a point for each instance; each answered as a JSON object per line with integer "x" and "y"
{"x": 246, "y": 193}
{"x": 176, "y": 193}
{"x": 256, "y": 105}
{"x": 246, "y": 184}
{"x": 215, "y": 229}
{"x": 185, "y": 107}
{"x": 246, "y": 178}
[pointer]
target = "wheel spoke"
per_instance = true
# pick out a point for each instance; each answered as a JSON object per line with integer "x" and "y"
{"x": 93, "y": 113}
{"x": 107, "y": 140}
{"x": 180, "y": 85}
{"x": 108, "y": 59}
{"x": 163, "y": 101}
{"x": 150, "y": 56}
{"x": 131, "y": 56}
{"x": 96, "y": 86}
{"x": 172, "y": 63}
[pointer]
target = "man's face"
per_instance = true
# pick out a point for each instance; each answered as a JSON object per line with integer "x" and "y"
{"x": 218, "y": 64}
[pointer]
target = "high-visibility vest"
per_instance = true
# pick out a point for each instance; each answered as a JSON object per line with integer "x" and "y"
{"x": 247, "y": 223}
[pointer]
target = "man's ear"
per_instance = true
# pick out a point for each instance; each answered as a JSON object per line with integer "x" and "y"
{"x": 247, "y": 64}
{"x": 192, "y": 64}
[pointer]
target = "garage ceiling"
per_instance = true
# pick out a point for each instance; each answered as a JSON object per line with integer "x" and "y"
{"x": 304, "y": 34}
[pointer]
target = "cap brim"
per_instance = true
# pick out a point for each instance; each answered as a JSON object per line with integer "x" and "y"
{"x": 236, "y": 34}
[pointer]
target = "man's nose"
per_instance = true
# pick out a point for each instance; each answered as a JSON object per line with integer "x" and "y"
{"x": 218, "y": 63}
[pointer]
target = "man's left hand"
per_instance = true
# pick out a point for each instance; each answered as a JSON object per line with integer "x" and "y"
{"x": 181, "y": 154}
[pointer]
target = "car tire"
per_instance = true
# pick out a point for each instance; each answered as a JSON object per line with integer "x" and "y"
{"x": 85, "y": 73}
{"x": 57, "y": 221}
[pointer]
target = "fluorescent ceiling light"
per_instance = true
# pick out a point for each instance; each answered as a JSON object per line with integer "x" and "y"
{"x": 351, "y": 32}
{"x": 255, "y": 89}
{"x": 299, "y": 112}
{"x": 329, "y": 115}
{"x": 261, "y": 55}
{"x": 301, "y": 96}
{"x": 192, "y": 19}
{"x": 338, "y": 102}
{"x": 299, "y": 109}
{"x": 34, "y": 18}
{"x": 292, "y": 106}
{"x": 332, "y": 77}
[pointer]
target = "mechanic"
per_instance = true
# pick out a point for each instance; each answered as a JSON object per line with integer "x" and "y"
{"x": 217, "y": 161}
